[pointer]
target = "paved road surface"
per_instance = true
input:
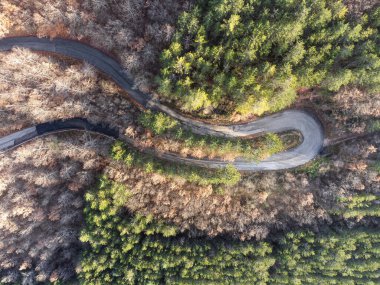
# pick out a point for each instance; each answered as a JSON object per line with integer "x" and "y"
{"x": 18, "y": 138}
{"x": 306, "y": 124}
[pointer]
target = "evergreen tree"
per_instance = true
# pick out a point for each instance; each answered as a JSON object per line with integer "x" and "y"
{"x": 125, "y": 249}
{"x": 360, "y": 206}
{"x": 348, "y": 257}
{"x": 134, "y": 249}
{"x": 253, "y": 55}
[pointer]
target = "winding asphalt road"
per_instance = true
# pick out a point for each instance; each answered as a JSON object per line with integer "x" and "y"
{"x": 309, "y": 126}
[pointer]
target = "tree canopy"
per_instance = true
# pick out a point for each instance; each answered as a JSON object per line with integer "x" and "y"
{"x": 135, "y": 249}
{"x": 127, "y": 249}
{"x": 251, "y": 56}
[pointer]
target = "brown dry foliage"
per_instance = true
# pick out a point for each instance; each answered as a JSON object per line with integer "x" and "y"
{"x": 350, "y": 172}
{"x": 354, "y": 109}
{"x": 135, "y": 31}
{"x": 347, "y": 112}
{"x": 358, "y": 7}
{"x": 41, "y": 205}
{"x": 36, "y": 88}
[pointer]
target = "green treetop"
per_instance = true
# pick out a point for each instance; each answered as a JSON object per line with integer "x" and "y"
{"x": 251, "y": 56}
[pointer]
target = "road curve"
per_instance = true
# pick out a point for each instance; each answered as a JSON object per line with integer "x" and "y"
{"x": 309, "y": 126}
{"x": 18, "y": 138}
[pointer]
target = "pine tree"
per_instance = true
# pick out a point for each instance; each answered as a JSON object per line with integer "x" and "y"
{"x": 252, "y": 56}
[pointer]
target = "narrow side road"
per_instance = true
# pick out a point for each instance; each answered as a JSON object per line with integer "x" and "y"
{"x": 309, "y": 126}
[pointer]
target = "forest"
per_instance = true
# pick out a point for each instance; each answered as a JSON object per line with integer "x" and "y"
{"x": 127, "y": 249}
{"x": 251, "y": 57}
{"x": 80, "y": 208}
